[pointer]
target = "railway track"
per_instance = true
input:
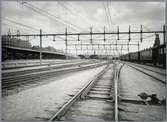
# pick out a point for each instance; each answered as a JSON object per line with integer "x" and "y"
{"x": 18, "y": 80}
{"x": 97, "y": 100}
{"x": 100, "y": 100}
{"x": 16, "y": 65}
{"x": 154, "y": 74}
{"x": 154, "y": 71}
{"x": 8, "y": 73}
{"x": 131, "y": 107}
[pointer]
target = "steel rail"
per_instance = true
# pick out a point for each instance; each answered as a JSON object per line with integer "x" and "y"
{"x": 36, "y": 64}
{"x": 162, "y": 81}
{"x": 50, "y": 70}
{"x": 81, "y": 94}
{"x": 48, "y": 67}
{"x": 10, "y": 82}
{"x": 163, "y": 74}
{"x": 117, "y": 70}
{"x": 116, "y": 94}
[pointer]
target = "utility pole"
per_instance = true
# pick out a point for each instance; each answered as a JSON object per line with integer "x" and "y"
{"x": 138, "y": 46}
{"x": 164, "y": 36}
{"x": 129, "y": 41}
{"x": 118, "y": 33}
{"x": 66, "y": 43}
{"x": 128, "y": 52}
{"x": 138, "y": 51}
{"x": 40, "y": 46}
{"x": 141, "y": 33}
{"x": 98, "y": 49}
{"x": 87, "y": 48}
{"x": 129, "y": 34}
{"x": 76, "y": 49}
{"x": 104, "y": 34}
{"x": 91, "y": 41}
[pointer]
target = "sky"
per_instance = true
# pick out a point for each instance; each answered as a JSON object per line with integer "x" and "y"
{"x": 54, "y": 17}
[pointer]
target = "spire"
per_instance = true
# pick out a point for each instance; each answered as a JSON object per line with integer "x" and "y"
{"x": 157, "y": 40}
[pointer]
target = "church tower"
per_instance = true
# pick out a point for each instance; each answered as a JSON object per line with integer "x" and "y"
{"x": 157, "y": 40}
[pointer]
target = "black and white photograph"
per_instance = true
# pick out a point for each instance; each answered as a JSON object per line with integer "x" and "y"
{"x": 83, "y": 60}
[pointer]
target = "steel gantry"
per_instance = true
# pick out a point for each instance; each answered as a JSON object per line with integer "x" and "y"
{"x": 91, "y": 34}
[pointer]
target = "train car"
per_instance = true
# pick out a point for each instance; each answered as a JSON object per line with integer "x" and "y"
{"x": 146, "y": 56}
{"x": 162, "y": 55}
{"x": 133, "y": 57}
{"x": 159, "y": 55}
{"x": 124, "y": 57}
{"x": 155, "y": 56}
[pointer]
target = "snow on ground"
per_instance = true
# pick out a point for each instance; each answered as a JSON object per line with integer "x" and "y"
{"x": 43, "y": 101}
{"x": 134, "y": 82}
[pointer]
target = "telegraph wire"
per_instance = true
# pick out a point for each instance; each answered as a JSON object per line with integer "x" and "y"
{"x": 47, "y": 14}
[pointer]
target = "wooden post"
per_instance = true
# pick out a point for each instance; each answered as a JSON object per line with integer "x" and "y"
{"x": 78, "y": 37}
{"x": 128, "y": 51}
{"x": 98, "y": 49}
{"x": 76, "y": 49}
{"x": 138, "y": 51}
{"x": 104, "y": 34}
{"x": 54, "y": 38}
{"x": 118, "y": 33}
{"x": 141, "y": 33}
{"x": 87, "y": 48}
{"x": 81, "y": 44}
{"x": 164, "y": 31}
{"x": 138, "y": 47}
{"x": 40, "y": 46}
{"x": 116, "y": 45}
{"x": 91, "y": 35}
{"x": 129, "y": 34}
{"x": 66, "y": 43}
{"x": 110, "y": 50}
{"x": 121, "y": 49}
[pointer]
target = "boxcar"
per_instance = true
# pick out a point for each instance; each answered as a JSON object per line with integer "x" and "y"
{"x": 146, "y": 56}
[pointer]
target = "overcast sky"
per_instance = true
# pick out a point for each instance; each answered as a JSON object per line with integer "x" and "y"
{"x": 54, "y": 17}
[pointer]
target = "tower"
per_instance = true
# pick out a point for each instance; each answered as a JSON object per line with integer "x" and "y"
{"x": 157, "y": 40}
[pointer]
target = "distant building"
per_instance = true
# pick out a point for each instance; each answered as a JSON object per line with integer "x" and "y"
{"x": 15, "y": 42}
{"x": 157, "y": 40}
